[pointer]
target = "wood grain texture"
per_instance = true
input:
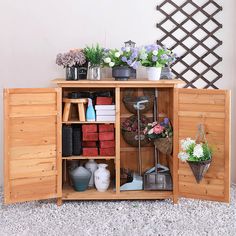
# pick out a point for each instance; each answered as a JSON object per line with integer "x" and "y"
{"x": 211, "y": 108}
{"x": 32, "y": 144}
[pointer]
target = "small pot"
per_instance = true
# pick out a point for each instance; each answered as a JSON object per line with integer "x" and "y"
{"x": 94, "y": 72}
{"x": 154, "y": 73}
{"x": 71, "y": 73}
{"x": 166, "y": 73}
{"x": 121, "y": 72}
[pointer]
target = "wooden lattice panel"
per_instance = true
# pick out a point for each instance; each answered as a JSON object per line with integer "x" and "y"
{"x": 189, "y": 27}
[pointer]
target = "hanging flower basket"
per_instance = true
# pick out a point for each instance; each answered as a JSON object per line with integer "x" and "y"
{"x": 164, "y": 145}
{"x": 199, "y": 169}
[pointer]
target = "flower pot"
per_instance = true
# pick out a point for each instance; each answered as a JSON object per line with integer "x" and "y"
{"x": 94, "y": 73}
{"x": 199, "y": 169}
{"x": 71, "y": 73}
{"x": 121, "y": 72}
{"x": 164, "y": 145}
{"x": 102, "y": 178}
{"x": 166, "y": 73}
{"x": 92, "y": 166}
{"x": 154, "y": 73}
{"x": 82, "y": 71}
{"x": 80, "y": 178}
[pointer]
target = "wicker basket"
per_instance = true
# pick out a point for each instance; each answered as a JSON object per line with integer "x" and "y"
{"x": 164, "y": 145}
{"x": 131, "y": 104}
{"x": 132, "y": 138}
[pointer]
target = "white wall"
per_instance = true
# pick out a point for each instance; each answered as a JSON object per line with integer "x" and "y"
{"x": 33, "y": 32}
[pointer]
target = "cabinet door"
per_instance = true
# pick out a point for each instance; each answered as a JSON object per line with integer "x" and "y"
{"x": 212, "y": 108}
{"x": 32, "y": 162}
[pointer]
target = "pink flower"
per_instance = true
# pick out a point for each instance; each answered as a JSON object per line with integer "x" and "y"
{"x": 158, "y": 129}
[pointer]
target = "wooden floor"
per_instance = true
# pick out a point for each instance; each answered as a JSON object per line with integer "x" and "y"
{"x": 92, "y": 194}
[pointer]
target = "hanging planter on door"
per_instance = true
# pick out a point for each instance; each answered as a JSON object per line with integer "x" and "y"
{"x": 197, "y": 154}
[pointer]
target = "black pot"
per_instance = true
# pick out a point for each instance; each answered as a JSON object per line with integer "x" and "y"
{"x": 71, "y": 73}
{"x": 82, "y": 71}
{"x": 121, "y": 72}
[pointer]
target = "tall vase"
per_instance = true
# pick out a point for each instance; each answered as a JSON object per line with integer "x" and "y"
{"x": 91, "y": 165}
{"x": 102, "y": 178}
{"x": 154, "y": 73}
{"x": 94, "y": 72}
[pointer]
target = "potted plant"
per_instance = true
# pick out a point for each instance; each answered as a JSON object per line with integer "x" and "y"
{"x": 198, "y": 155}
{"x": 94, "y": 56}
{"x": 162, "y": 135}
{"x": 166, "y": 72}
{"x": 154, "y": 57}
{"x": 121, "y": 61}
{"x": 72, "y": 61}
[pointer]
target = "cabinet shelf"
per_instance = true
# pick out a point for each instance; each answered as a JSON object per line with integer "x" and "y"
{"x": 68, "y": 193}
{"x": 87, "y": 122}
{"x": 88, "y": 157}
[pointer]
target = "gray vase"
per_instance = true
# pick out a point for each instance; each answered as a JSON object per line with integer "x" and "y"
{"x": 121, "y": 72}
{"x": 166, "y": 73}
{"x": 80, "y": 177}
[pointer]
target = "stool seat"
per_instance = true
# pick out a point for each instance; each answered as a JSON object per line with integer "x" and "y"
{"x": 67, "y": 108}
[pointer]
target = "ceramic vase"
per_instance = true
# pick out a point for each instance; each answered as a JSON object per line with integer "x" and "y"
{"x": 121, "y": 72}
{"x": 80, "y": 178}
{"x": 154, "y": 73}
{"x": 92, "y": 166}
{"x": 94, "y": 72}
{"x": 102, "y": 178}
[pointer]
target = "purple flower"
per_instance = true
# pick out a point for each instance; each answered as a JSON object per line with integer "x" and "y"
{"x": 164, "y": 57}
{"x": 134, "y": 54}
{"x": 148, "y": 48}
{"x": 129, "y": 62}
{"x": 154, "y": 58}
{"x": 123, "y": 49}
{"x": 124, "y": 59}
{"x": 135, "y": 65}
{"x": 106, "y": 50}
{"x": 166, "y": 121}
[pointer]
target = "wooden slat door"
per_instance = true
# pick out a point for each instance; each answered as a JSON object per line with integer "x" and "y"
{"x": 32, "y": 156}
{"x": 212, "y": 108}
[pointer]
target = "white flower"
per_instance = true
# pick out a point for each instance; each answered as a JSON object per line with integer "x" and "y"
{"x": 111, "y": 64}
{"x": 155, "y": 52}
{"x": 127, "y": 49}
{"x": 143, "y": 56}
{"x": 107, "y": 60}
{"x": 150, "y": 131}
{"x": 117, "y": 54}
{"x": 198, "y": 151}
{"x": 183, "y": 156}
{"x": 185, "y": 143}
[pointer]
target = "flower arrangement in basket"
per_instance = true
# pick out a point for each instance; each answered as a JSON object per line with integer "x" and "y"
{"x": 197, "y": 154}
{"x": 162, "y": 135}
{"x": 129, "y": 129}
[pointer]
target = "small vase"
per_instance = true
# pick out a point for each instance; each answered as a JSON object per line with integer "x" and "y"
{"x": 102, "y": 178}
{"x": 80, "y": 177}
{"x": 121, "y": 72}
{"x": 91, "y": 165}
{"x": 94, "y": 72}
{"x": 82, "y": 71}
{"x": 166, "y": 73}
{"x": 71, "y": 73}
{"x": 154, "y": 73}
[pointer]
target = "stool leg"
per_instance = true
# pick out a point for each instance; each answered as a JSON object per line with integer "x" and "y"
{"x": 66, "y": 111}
{"x": 81, "y": 111}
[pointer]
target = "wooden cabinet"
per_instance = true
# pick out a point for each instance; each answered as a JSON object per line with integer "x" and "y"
{"x": 33, "y": 123}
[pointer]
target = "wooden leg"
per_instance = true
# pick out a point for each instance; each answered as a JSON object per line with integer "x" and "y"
{"x": 66, "y": 111}
{"x": 175, "y": 200}
{"x": 59, "y": 201}
{"x": 81, "y": 111}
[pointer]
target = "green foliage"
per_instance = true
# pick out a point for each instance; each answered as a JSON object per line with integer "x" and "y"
{"x": 207, "y": 153}
{"x": 94, "y": 55}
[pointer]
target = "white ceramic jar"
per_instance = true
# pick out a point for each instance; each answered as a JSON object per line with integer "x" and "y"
{"x": 91, "y": 165}
{"x": 102, "y": 178}
{"x": 154, "y": 73}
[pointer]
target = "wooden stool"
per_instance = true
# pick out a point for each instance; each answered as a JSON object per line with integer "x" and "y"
{"x": 81, "y": 111}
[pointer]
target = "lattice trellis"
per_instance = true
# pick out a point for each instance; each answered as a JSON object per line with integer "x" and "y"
{"x": 190, "y": 26}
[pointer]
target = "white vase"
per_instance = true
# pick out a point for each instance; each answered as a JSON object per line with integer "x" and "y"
{"x": 91, "y": 165}
{"x": 102, "y": 178}
{"x": 154, "y": 73}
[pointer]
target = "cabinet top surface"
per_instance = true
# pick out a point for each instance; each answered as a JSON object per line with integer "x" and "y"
{"x": 111, "y": 82}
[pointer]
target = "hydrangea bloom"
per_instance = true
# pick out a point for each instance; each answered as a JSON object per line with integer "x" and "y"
{"x": 183, "y": 156}
{"x": 198, "y": 151}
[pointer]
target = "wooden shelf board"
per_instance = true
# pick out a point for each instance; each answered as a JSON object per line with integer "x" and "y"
{"x": 69, "y": 193}
{"x": 87, "y": 122}
{"x": 88, "y": 157}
